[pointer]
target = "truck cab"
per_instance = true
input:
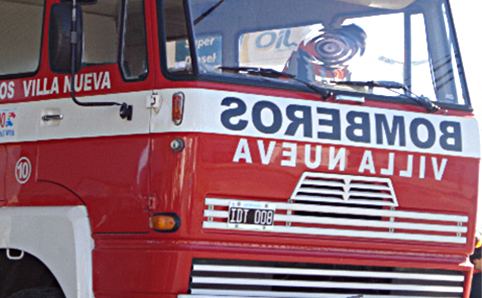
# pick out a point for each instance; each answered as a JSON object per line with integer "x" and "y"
{"x": 226, "y": 148}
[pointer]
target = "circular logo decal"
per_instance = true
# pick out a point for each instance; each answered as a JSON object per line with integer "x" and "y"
{"x": 23, "y": 169}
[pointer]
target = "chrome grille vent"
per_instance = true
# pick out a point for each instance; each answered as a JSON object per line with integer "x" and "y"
{"x": 308, "y": 219}
{"x": 233, "y": 278}
{"x": 344, "y": 189}
{"x": 334, "y": 205}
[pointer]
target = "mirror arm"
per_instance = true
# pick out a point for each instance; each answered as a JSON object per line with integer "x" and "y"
{"x": 125, "y": 109}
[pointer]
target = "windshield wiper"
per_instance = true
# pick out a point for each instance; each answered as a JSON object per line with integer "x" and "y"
{"x": 272, "y": 73}
{"x": 390, "y": 85}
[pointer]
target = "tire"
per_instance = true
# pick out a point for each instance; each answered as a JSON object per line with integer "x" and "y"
{"x": 49, "y": 292}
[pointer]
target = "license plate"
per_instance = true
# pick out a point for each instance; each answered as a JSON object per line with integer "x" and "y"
{"x": 251, "y": 215}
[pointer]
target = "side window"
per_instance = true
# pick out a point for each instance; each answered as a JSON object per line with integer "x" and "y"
{"x": 101, "y": 32}
{"x": 419, "y": 77}
{"x": 177, "y": 44}
{"x": 20, "y": 36}
{"x": 134, "y": 55}
{"x": 105, "y": 30}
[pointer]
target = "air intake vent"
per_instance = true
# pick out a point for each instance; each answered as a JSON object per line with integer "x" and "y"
{"x": 232, "y": 278}
{"x": 339, "y": 206}
{"x": 345, "y": 189}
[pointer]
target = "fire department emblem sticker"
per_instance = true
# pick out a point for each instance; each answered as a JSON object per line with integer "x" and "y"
{"x": 7, "y": 123}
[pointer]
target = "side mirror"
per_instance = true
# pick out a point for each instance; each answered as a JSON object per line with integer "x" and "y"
{"x": 62, "y": 38}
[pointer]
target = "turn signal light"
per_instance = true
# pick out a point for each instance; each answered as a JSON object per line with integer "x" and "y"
{"x": 177, "y": 107}
{"x": 165, "y": 222}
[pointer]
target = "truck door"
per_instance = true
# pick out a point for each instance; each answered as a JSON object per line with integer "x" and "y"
{"x": 91, "y": 150}
{"x": 20, "y": 55}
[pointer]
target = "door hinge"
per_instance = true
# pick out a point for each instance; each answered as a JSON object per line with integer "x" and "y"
{"x": 152, "y": 203}
{"x": 154, "y": 101}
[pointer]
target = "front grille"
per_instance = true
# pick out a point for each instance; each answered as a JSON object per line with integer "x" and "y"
{"x": 348, "y": 206}
{"x": 395, "y": 225}
{"x": 234, "y": 278}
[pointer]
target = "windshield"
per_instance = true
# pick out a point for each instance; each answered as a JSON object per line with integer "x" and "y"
{"x": 326, "y": 41}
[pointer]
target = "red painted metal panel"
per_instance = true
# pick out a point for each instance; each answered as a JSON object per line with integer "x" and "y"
{"x": 108, "y": 174}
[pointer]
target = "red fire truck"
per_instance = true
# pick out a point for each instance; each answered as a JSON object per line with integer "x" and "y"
{"x": 228, "y": 148}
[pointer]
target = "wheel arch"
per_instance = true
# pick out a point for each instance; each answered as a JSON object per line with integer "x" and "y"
{"x": 59, "y": 237}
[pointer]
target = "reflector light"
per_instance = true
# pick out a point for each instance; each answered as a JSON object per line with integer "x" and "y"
{"x": 177, "y": 107}
{"x": 165, "y": 222}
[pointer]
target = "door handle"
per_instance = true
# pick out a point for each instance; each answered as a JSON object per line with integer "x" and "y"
{"x": 53, "y": 117}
